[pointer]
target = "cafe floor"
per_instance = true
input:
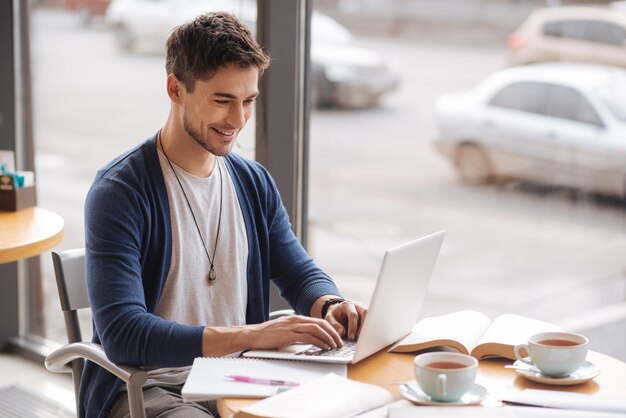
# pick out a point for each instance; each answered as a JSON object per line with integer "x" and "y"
{"x": 27, "y": 389}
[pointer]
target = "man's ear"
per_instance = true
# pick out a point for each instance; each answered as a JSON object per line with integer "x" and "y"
{"x": 175, "y": 88}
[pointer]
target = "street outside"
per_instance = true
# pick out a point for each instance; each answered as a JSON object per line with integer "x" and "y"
{"x": 375, "y": 179}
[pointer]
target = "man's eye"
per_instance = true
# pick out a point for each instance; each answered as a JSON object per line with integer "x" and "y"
{"x": 222, "y": 102}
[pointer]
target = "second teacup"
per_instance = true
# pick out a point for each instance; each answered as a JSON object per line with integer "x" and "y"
{"x": 445, "y": 377}
{"x": 556, "y": 354}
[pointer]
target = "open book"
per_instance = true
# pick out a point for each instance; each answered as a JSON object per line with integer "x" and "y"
{"x": 471, "y": 332}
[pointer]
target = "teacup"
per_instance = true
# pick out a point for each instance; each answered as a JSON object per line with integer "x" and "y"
{"x": 556, "y": 354}
{"x": 445, "y": 377}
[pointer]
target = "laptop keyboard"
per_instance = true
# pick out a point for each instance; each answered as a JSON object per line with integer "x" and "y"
{"x": 346, "y": 351}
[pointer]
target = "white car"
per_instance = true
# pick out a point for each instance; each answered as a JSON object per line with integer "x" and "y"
{"x": 343, "y": 74}
{"x": 559, "y": 123}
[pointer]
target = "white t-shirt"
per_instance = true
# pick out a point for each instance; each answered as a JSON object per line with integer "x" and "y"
{"x": 187, "y": 296}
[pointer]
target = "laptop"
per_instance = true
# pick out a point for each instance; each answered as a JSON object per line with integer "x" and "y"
{"x": 394, "y": 308}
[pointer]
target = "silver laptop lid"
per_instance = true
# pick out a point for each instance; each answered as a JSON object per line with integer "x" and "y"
{"x": 399, "y": 294}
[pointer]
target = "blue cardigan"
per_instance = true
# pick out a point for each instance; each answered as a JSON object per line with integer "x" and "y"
{"x": 128, "y": 248}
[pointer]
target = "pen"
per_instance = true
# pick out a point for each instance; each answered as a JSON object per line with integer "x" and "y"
{"x": 248, "y": 379}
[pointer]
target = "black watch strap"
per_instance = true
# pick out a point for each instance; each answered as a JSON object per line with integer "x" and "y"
{"x": 328, "y": 304}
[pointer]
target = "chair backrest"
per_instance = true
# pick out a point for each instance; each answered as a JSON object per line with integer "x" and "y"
{"x": 71, "y": 277}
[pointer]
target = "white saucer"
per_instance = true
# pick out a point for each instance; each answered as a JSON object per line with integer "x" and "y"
{"x": 585, "y": 373}
{"x": 413, "y": 393}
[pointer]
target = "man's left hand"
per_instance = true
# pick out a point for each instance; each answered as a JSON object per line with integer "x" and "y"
{"x": 346, "y": 314}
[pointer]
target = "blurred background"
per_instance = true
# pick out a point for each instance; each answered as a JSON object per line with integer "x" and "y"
{"x": 500, "y": 121}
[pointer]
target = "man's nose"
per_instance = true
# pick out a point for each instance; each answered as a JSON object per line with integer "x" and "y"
{"x": 236, "y": 116}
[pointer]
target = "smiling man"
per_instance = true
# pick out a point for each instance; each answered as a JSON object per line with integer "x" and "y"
{"x": 183, "y": 237}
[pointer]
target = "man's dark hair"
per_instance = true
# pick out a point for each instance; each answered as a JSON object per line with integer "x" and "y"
{"x": 196, "y": 50}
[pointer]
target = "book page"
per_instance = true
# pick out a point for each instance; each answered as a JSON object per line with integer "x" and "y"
{"x": 506, "y": 332}
{"x": 331, "y": 396}
{"x": 207, "y": 379}
{"x": 383, "y": 411}
{"x": 463, "y": 328}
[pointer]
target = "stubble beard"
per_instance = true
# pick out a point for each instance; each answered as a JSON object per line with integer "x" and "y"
{"x": 197, "y": 137}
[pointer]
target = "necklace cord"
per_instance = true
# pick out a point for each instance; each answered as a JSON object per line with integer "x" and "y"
{"x": 195, "y": 221}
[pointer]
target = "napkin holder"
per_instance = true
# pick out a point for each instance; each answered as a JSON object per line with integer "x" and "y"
{"x": 13, "y": 198}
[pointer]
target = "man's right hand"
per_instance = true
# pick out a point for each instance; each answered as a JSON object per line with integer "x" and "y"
{"x": 294, "y": 329}
{"x": 280, "y": 332}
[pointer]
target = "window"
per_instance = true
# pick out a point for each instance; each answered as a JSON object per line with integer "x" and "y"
{"x": 375, "y": 178}
{"x": 616, "y": 105}
{"x": 608, "y": 33}
{"x": 586, "y": 30}
{"x": 523, "y": 96}
{"x": 567, "y": 103}
{"x": 573, "y": 29}
{"x": 93, "y": 100}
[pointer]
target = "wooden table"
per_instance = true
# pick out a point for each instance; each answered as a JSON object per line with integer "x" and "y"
{"x": 28, "y": 232}
{"x": 23, "y": 234}
{"x": 384, "y": 368}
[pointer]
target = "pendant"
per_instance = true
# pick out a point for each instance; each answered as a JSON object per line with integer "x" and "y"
{"x": 212, "y": 275}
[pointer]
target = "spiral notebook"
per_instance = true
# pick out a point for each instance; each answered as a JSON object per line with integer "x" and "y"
{"x": 207, "y": 379}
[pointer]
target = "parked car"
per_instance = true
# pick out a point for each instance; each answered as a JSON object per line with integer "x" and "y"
{"x": 557, "y": 123}
{"x": 583, "y": 34}
{"x": 343, "y": 73}
{"x": 87, "y": 9}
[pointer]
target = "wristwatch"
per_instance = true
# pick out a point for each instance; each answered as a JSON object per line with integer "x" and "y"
{"x": 328, "y": 304}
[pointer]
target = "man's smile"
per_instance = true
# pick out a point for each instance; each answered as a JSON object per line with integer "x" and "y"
{"x": 229, "y": 133}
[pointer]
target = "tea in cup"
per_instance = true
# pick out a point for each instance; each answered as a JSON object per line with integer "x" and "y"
{"x": 556, "y": 354}
{"x": 445, "y": 377}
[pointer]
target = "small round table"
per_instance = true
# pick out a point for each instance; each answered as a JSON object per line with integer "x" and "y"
{"x": 23, "y": 234}
{"x": 28, "y": 232}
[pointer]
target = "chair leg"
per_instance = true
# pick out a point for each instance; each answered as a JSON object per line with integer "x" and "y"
{"x": 135, "y": 401}
{"x": 77, "y": 371}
